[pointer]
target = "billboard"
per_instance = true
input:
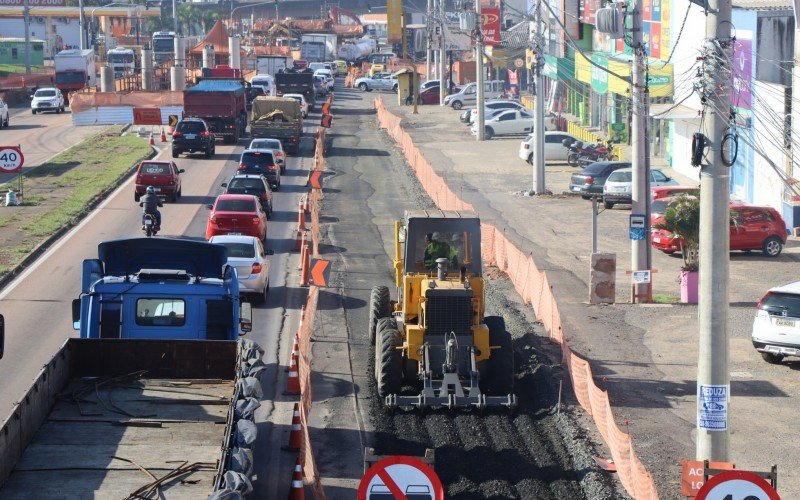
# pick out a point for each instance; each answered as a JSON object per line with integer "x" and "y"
{"x": 394, "y": 19}
{"x": 490, "y": 26}
{"x": 33, "y": 3}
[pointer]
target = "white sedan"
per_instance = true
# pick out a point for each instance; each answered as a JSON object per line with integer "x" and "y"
{"x": 510, "y": 122}
{"x": 246, "y": 254}
{"x": 554, "y": 149}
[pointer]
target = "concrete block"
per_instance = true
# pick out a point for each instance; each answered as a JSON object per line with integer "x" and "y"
{"x": 602, "y": 278}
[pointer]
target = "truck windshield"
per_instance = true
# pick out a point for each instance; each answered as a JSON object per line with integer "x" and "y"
{"x": 165, "y": 44}
{"x": 71, "y": 77}
{"x": 120, "y": 58}
{"x": 160, "y": 312}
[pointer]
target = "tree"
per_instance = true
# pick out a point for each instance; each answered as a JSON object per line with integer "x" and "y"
{"x": 682, "y": 219}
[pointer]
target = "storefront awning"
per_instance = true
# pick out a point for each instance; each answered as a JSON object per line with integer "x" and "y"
{"x": 673, "y": 112}
{"x": 659, "y": 75}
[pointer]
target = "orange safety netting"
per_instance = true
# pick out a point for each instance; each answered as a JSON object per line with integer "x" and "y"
{"x": 83, "y": 101}
{"x": 535, "y": 289}
{"x": 22, "y": 81}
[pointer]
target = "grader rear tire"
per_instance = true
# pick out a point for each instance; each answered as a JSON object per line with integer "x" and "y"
{"x": 388, "y": 359}
{"x": 378, "y": 308}
{"x": 501, "y": 361}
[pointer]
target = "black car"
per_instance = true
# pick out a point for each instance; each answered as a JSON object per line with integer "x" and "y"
{"x": 251, "y": 184}
{"x": 591, "y": 179}
{"x": 261, "y": 162}
{"x": 193, "y": 135}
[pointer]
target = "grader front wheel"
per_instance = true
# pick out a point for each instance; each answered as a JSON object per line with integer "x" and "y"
{"x": 388, "y": 359}
{"x": 378, "y": 308}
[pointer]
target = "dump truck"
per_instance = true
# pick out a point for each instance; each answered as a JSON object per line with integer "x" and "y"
{"x": 222, "y": 103}
{"x": 278, "y": 118}
{"x": 118, "y": 418}
{"x": 435, "y": 337}
{"x": 297, "y": 81}
{"x": 168, "y": 288}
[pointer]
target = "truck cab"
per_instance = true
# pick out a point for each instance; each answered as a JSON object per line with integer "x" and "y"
{"x": 160, "y": 288}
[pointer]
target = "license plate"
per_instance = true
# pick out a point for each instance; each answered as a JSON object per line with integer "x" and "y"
{"x": 656, "y": 240}
{"x": 44, "y": 104}
{"x": 148, "y": 222}
{"x": 785, "y": 322}
{"x": 157, "y": 190}
{"x": 191, "y": 136}
{"x": 234, "y": 233}
{"x": 620, "y": 189}
{"x": 576, "y": 188}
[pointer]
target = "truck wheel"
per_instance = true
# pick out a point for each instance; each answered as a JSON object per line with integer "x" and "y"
{"x": 378, "y": 308}
{"x": 773, "y": 359}
{"x": 501, "y": 361}
{"x": 389, "y": 361}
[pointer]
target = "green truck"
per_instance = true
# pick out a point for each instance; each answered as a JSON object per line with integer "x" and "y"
{"x": 277, "y": 118}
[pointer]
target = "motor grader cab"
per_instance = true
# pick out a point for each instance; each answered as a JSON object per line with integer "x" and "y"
{"x": 435, "y": 338}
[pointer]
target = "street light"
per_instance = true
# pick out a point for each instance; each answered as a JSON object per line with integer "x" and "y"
{"x": 249, "y": 5}
{"x": 112, "y": 4}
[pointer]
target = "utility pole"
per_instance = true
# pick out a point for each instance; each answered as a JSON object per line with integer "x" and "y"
{"x": 429, "y": 33}
{"x": 712, "y": 364}
{"x": 442, "y": 53}
{"x": 479, "y": 73}
{"x": 175, "y": 16}
{"x": 26, "y": 16}
{"x": 538, "y": 113}
{"x": 640, "y": 249}
{"x": 81, "y": 25}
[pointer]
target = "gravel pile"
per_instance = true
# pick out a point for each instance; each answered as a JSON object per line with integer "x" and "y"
{"x": 531, "y": 453}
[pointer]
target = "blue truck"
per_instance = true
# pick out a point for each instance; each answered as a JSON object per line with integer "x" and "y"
{"x": 160, "y": 288}
{"x": 157, "y": 397}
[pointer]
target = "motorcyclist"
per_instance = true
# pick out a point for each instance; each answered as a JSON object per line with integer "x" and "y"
{"x": 150, "y": 202}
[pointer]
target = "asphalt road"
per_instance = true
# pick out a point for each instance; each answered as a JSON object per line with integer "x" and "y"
{"x": 37, "y": 305}
{"x": 41, "y": 136}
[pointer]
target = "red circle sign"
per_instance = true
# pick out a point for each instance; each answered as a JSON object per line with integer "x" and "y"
{"x": 400, "y": 478}
{"x": 737, "y": 485}
{"x": 11, "y": 159}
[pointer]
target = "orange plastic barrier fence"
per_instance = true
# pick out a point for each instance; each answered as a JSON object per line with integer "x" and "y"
{"x": 22, "y": 81}
{"x": 82, "y": 101}
{"x": 534, "y": 288}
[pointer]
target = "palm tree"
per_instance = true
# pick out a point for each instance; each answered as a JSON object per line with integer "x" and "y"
{"x": 682, "y": 219}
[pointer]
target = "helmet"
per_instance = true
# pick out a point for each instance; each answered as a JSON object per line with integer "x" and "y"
{"x": 150, "y": 190}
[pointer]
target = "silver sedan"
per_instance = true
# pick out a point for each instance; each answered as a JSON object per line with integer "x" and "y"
{"x": 247, "y": 255}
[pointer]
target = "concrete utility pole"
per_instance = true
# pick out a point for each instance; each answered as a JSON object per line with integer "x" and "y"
{"x": 479, "y": 74}
{"x": 428, "y": 53}
{"x": 712, "y": 363}
{"x": 640, "y": 249}
{"x": 538, "y": 128}
{"x": 175, "y": 16}
{"x": 442, "y": 54}
{"x": 81, "y": 25}
{"x": 26, "y": 16}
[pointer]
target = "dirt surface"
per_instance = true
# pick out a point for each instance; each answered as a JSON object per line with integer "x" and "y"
{"x": 534, "y": 452}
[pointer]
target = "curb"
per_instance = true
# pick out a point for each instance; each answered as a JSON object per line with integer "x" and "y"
{"x": 42, "y": 247}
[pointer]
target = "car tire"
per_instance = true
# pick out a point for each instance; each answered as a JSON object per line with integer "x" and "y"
{"x": 8, "y": 121}
{"x": 58, "y": 111}
{"x": 175, "y": 154}
{"x": 33, "y": 111}
{"x": 489, "y": 133}
{"x": 457, "y": 105}
{"x": 530, "y": 159}
{"x": 261, "y": 297}
{"x": 773, "y": 359}
{"x": 180, "y": 192}
{"x": 63, "y": 109}
{"x": 608, "y": 204}
{"x": 772, "y": 246}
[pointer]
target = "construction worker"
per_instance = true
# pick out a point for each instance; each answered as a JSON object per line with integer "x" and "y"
{"x": 455, "y": 248}
{"x": 434, "y": 249}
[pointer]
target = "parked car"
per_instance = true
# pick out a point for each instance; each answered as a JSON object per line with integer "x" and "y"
{"x": 193, "y": 135}
{"x": 164, "y": 176}
{"x": 659, "y": 192}
{"x": 251, "y": 184}
{"x": 246, "y": 254}
{"x": 275, "y": 145}
{"x": 237, "y": 214}
{"x": 430, "y": 95}
{"x": 261, "y": 162}
{"x": 469, "y": 93}
{"x": 380, "y": 81}
{"x": 751, "y": 228}
{"x": 5, "y": 120}
{"x": 776, "y": 327}
{"x": 302, "y": 100}
{"x": 508, "y": 122}
{"x": 590, "y": 180}
{"x": 618, "y": 188}
{"x": 47, "y": 99}
{"x": 554, "y": 150}
{"x": 492, "y": 107}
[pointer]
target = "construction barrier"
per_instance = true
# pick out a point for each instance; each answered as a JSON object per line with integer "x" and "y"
{"x": 534, "y": 287}
{"x": 83, "y": 101}
{"x": 21, "y": 81}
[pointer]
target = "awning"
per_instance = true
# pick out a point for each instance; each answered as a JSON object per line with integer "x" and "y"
{"x": 673, "y": 112}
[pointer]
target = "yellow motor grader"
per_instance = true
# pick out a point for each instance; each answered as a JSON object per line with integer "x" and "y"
{"x": 435, "y": 338}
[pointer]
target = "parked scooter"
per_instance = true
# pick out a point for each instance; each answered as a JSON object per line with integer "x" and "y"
{"x": 581, "y": 155}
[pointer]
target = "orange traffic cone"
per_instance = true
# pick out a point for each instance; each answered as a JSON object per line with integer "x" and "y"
{"x": 299, "y": 241}
{"x": 151, "y": 141}
{"x": 296, "y": 491}
{"x": 294, "y": 358}
{"x": 296, "y": 435}
{"x": 301, "y": 216}
{"x": 163, "y": 135}
{"x": 292, "y": 382}
{"x": 305, "y": 258}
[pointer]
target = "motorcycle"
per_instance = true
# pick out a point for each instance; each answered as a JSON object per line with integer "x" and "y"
{"x": 581, "y": 155}
{"x": 149, "y": 225}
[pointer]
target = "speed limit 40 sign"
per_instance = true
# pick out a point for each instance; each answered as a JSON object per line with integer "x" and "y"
{"x": 737, "y": 485}
{"x": 11, "y": 159}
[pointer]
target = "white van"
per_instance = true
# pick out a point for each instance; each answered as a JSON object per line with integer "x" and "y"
{"x": 492, "y": 89}
{"x": 266, "y": 81}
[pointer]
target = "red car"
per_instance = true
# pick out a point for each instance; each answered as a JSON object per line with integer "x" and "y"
{"x": 164, "y": 176}
{"x": 430, "y": 95}
{"x": 237, "y": 214}
{"x": 752, "y": 228}
{"x": 659, "y": 192}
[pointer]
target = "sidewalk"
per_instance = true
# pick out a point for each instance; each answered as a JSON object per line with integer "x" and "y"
{"x": 645, "y": 356}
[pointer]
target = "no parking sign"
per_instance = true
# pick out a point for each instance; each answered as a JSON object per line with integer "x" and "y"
{"x": 400, "y": 478}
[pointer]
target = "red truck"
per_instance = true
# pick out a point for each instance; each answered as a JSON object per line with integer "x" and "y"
{"x": 221, "y": 102}
{"x": 74, "y": 70}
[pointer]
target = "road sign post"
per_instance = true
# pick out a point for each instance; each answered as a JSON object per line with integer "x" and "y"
{"x": 11, "y": 162}
{"x": 737, "y": 485}
{"x": 401, "y": 477}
